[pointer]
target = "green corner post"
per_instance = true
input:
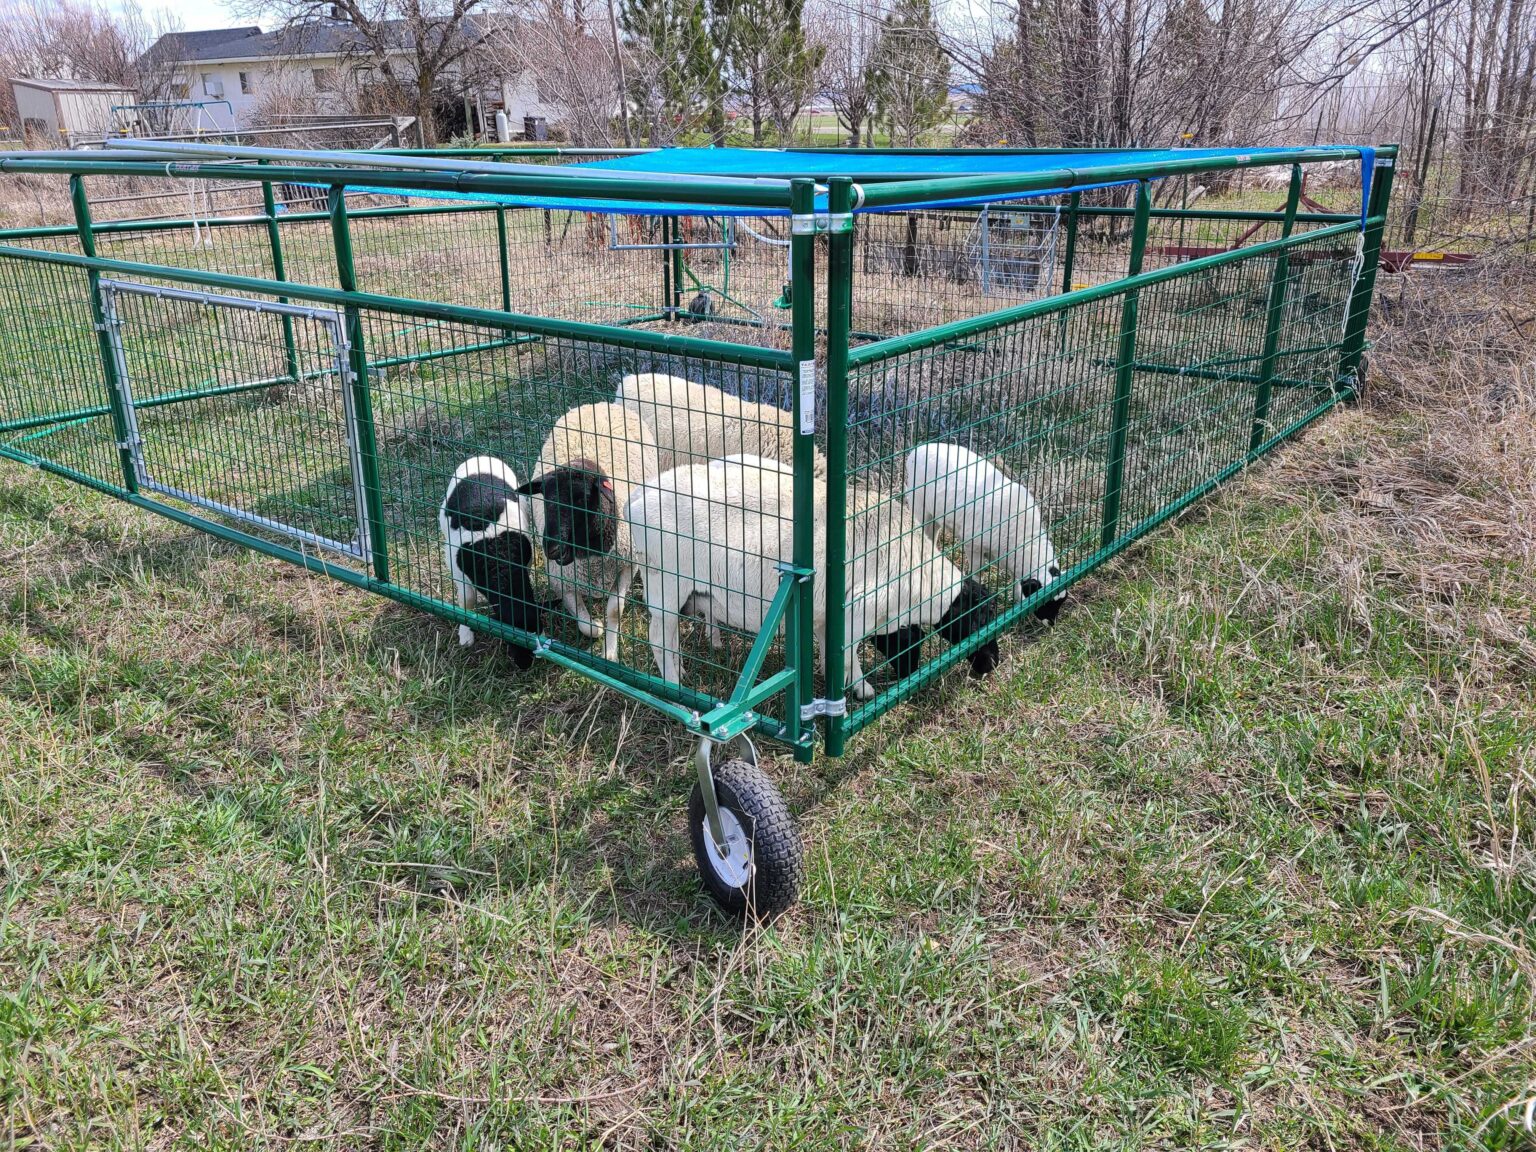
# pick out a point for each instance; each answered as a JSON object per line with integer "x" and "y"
{"x": 1125, "y": 371}
{"x": 1365, "y": 284}
{"x": 839, "y": 322}
{"x": 279, "y": 272}
{"x": 362, "y": 391}
{"x": 506, "y": 268}
{"x": 800, "y": 634}
{"x": 675, "y": 301}
{"x": 109, "y": 366}
{"x": 666, "y": 269}
{"x": 1070, "y": 257}
{"x": 1275, "y": 320}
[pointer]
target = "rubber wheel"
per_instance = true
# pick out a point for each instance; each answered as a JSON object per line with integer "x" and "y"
{"x": 764, "y": 872}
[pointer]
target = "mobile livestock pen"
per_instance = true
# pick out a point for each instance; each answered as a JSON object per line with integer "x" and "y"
{"x": 818, "y": 401}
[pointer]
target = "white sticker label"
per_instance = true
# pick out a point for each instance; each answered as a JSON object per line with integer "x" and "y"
{"x": 807, "y": 397}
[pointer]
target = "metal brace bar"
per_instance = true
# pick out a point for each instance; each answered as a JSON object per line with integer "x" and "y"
{"x": 214, "y": 300}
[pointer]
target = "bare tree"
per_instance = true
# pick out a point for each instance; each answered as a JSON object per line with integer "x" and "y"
{"x": 572, "y": 62}
{"x": 417, "y": 48}
{"x": 70, "y": 40}
{"x": 847, "y": 37}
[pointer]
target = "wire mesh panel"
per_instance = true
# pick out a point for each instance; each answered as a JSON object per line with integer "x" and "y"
{"x": 54, "y": 403}
{"x": 1022, "y": 452}
{"x": 577, "y": 430}
{"x": 241, "y": 408}
{"x": 588, "y": 424}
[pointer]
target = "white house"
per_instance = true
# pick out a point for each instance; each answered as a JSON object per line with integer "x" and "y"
{"x": 68, "y": 111}
{"x": 230, "y": 74}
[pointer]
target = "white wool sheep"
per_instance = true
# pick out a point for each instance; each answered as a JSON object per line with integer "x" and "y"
{"x": 695, "y": 423}
{"x": 992, "y": 517}
{"x": 709, "y": 540}
{"x": 592, "y": 459}
{"x": 487, "y": 548}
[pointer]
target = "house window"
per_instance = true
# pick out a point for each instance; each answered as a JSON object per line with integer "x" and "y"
{"x": 246, "y": 87}
{"x": 212, "y": 85}
{"x": 325, "y": 79}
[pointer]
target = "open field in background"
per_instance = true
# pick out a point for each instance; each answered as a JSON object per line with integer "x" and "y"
{"x": 1239, "y": 854}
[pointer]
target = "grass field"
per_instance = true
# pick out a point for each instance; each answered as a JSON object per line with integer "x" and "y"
{"x": 1238, "y": 855}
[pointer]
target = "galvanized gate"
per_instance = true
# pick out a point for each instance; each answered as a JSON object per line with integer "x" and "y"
{"x": 273, "y": 441}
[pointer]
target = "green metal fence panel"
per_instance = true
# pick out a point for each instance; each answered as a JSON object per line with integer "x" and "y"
{"x": 961, "y": 411}
{"x": 1080, "y": 419}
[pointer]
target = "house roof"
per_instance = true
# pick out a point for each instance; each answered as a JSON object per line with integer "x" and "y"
{"x": 70, "y": 85}
{"x": 177, "y": 46}
{"x": 314, "y": 38}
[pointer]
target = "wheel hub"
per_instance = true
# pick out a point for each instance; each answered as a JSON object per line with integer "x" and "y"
{"x": 734, "y": 866}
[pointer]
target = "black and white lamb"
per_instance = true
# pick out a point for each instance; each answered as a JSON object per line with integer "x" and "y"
{"x": 992, "y": 517}
{"x": 593, "y": 458}
{"x": 709, "y": 540}
{"x": 487, "y": 548}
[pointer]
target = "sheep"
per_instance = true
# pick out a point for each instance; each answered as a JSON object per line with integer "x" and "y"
{"x": 709, "y": 540}
{"x": 592, "y": 459}
{"x": 695, "y": 423}
{"x": 991, "y": 516}
{"x": 487, "y": 549}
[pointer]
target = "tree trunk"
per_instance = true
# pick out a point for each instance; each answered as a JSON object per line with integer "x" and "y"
{"x": 425, "y": 115}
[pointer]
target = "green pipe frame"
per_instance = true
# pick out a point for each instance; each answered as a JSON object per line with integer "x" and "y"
{"x": 871, "y": 710}
{"x": 839, "y": 324}
{"x": 1125, "y": 373}
{"x": 795, "y": 600}
{"x": 1276, "y": 317}
{"x": 362, "y": 395}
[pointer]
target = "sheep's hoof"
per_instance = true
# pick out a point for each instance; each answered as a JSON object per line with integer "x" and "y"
{"x": 466, "y": 636}
{"x": 591, "y": 629}
{"x": 863, "y": 690}
{"x": 716, "y": 640}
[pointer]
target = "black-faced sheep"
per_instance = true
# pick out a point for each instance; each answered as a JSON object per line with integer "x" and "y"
{"x": 592, "y": 459}
{"x": 710, "y": 540}
{"x": 991, "y": 516}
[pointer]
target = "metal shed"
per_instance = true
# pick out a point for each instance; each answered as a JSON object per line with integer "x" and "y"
{"x": 68, "y": 111}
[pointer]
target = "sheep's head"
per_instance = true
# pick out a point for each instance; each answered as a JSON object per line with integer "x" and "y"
{"x": 1048, "y": 610}
{"x": 971, "y": 610}
{"x": 581, "y": 515}
{"x": 902, "y": 649}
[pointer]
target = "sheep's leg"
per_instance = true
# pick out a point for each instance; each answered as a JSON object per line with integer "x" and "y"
{"x": 665, "y": 640}
{"x": 468, "y": 597}
{"x": 858, "y": 626}
{"x": 853, "y": 675}
{"x": 613, "y": 612}
{"x": 584, "y": 622}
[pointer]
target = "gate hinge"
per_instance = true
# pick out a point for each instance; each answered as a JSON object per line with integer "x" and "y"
{"x": 824, "y": 707}
{"x": 111, "y": 324}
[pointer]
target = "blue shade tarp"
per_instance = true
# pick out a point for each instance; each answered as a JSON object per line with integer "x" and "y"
{"x": 864, "y": 167}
